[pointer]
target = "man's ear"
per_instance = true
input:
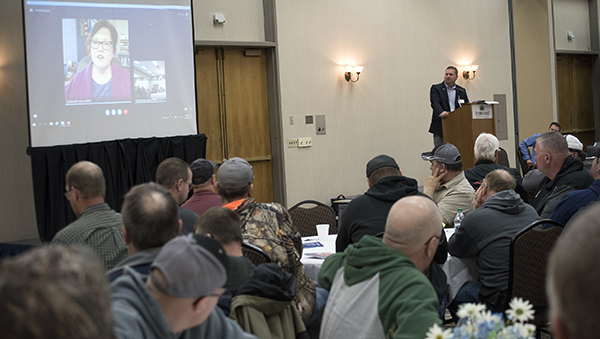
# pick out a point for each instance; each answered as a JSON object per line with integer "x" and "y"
{"x": 250, "y": 190}
{"x": 180, "y": 226}
{"x": 431, "y": 248}
{"x": 369, "y": 182}
{"x": 217, "y": 188}
{"x": 180, "y": 185}
{"x": 126, "y": 236}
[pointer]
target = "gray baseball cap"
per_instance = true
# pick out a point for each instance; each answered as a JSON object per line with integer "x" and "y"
{"x": 235, "y": 173}
{"x": 446, "y": 154}
{"x": 195, "y": 265}
{"x": 202, "y": 170}
{"x": 594, "y": 150}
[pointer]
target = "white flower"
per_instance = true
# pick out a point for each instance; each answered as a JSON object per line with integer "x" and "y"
{"x": 470, "y": 311}
{"x": 520, "y": 310}
{"x": 436, "y": 332}
{"x": 524, "y": 330}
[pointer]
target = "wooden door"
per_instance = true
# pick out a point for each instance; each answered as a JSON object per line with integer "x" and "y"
{"x": 575, "y": 96}
{"x": 233, "y": 110}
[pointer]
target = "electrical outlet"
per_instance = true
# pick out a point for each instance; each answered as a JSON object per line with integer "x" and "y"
{"x": 291, "y": 119}
{"x": 304, "y": 142}
{"x": 292, "y": 143}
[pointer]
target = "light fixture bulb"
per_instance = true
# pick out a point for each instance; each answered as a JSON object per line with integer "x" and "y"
{"x": 348, "y": 69}
{"x": 468, "y": 68}
{"x": 474, "y": 68}
{"x": 358, "y": 69}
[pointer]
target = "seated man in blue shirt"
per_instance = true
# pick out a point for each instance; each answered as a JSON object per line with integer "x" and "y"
{"x": 530, "y": 142}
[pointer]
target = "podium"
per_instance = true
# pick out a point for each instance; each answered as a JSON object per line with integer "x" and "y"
{"x": 465, "y": 124}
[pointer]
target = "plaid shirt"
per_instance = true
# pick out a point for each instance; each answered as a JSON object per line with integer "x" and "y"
{"x": 98, "y": 227}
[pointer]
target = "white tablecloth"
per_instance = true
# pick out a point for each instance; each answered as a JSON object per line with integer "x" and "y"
{"x": 458, "y": 271}
{"x": 312, "y": 264}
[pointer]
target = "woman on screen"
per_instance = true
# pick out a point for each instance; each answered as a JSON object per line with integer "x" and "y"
{"x": 103, "y": 79}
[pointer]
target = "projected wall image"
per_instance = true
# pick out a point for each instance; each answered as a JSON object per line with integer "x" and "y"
{"x": 97, "y": 55}
{"x": 109, "y": 70}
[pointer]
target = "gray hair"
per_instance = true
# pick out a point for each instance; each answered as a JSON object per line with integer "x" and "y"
{"x": 486, "y": 146}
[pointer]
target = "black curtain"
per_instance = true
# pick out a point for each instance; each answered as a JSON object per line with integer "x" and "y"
{"x": 125, "y": 163}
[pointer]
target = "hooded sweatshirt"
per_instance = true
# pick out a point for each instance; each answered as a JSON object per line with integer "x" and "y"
{"x": 376, "y": 292}
{"x": 571, "y": 176}
{"x": 137, "y": 314}
{"x": 486, "y": 232}
{"x": 366, "y": 215}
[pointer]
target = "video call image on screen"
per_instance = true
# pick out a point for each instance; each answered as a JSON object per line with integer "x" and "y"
{"x": 98, "y": 71}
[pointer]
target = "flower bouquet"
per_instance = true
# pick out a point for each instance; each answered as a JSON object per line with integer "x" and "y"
{"x": 478, "y": 323}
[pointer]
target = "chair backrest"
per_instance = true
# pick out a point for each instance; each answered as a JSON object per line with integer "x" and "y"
{"x": 529, "y": 251}
{"x": 255, "y": 254}
{"x": 503, "y": 157}
{"x": 309, "y": 213}
{"x": 522, "y": 162}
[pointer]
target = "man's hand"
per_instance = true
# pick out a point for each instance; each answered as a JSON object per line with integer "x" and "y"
{"x": 444, "y": 114}
{"x": 432, "y": 182}
{"x": 529, "y": 163}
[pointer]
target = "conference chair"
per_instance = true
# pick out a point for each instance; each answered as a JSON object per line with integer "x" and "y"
{"x": 309, "y": 213}
{"x": 503, "y": 157}
{"x": 524, "y": 167}
{"x": 255, "y": 254}
{"x": 529, "y": 251}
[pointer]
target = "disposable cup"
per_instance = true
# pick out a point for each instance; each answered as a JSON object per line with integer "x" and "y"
{"x": 323, "y": 232}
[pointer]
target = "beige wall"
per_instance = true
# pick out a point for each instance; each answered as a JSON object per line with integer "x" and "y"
{"x": 534, "y": 69}
{"x": 404, "y": 47}
{"x": 16, "y": 199}
{"x": 244, "y": 20}
{"x": 571, "y": 16}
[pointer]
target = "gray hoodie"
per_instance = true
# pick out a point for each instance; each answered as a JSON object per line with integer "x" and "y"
{"x": 486, "y": 232}
{"x": 137, "y": 315}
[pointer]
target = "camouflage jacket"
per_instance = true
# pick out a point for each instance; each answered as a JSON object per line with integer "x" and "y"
{"x": 269, "y": 227}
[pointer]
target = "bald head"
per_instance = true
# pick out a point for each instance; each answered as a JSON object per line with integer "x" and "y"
{"x": 88, "y": 178}
{"x": 410, "y": 226}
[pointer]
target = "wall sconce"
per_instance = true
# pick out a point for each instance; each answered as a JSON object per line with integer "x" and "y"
{"x": 469, "y": 72}
{"x": 350, "y": 70}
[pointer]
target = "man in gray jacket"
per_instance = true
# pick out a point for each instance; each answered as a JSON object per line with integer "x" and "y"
{"x": 485, "y": 234}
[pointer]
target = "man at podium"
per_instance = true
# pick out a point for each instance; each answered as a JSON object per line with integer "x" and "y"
{"x": 445, "y": 97}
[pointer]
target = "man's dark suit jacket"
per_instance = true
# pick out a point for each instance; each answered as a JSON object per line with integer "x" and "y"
{"x": 439, "y": 102}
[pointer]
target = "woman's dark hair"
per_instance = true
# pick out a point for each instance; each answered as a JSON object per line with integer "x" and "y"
{"x": 114, "y": 36}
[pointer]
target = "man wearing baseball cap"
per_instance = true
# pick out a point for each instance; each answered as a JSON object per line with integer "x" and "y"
{"x": 203, "y": 183}
{"x": 366, "y": 215}
{"x": 447, "y": 184}
{"x": 575, "y": 200}
{"x": 179, "y": 297}
{"x": 269, "y": 227}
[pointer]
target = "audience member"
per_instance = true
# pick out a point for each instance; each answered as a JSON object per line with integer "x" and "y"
{"x": 486, "y": 151}
{"x": 377, "y": 286}
{"x": 54, "y": 292}
{"x": 97, "y": 225}
{"x": 485, "y": 234}
{"x": 203, "y": 180}
{"x": 575, "y": 200}
{"x": 575, "y": 147}
{"x": 167, "y": 305}
{"x": 269, "y": 227}
{"x": 563, "y": 172}
{"x": 150, "y": 219}
{"x": 573, "y": 278}
{"x": 531, "y": 141}
{"x": 223, "y": 225}
{"x": 175, "y": 175}
{"x": 447, "y": 184}
{"x": 367, "y": 213}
